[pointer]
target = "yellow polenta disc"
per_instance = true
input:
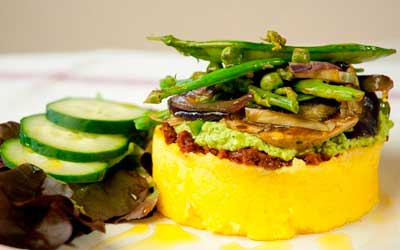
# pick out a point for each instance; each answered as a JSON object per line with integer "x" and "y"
{"x": 206, "y": 192}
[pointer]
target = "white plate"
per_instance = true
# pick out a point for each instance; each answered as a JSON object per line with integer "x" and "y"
{"x": 129, "y": 76}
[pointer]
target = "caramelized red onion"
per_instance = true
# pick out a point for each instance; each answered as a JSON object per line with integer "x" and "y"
{"x": 183, "y": 106}
{"x": 182, "y": 102}
{"x": 312, "y": 66}
{"x": 324, "y": 71}
{"x": 368, "y": 119}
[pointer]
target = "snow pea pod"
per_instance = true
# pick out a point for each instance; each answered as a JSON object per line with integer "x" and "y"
{"x": 349, "y": 53}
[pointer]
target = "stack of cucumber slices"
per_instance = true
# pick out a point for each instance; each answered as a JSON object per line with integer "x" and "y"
{"x": 77, "y": 139}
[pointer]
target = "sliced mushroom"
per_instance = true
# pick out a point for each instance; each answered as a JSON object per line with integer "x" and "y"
{"x": 372, "y": 83}
{"x": 292, "y": 137}
{"x": 266, "y": 116}
{"x": 316, "y": 111}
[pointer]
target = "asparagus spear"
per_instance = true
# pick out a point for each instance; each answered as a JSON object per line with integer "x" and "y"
{"x": 213, "y": 78}
{"x": 268, "y": 99}
{"x": 318, "y": 88}
{"x": 303, "y": 97}
{"x": 349, "y": 53}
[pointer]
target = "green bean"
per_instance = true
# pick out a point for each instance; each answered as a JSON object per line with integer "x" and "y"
{"x": 268, "y": 99}
{"x": 271, "y": 81}
{"x": 349, "y": 53}
{"x": 213, "y": 78}
{"x": 318, "y": 88}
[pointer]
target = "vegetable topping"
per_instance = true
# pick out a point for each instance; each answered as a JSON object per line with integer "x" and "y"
{"x": 288, "y": 97}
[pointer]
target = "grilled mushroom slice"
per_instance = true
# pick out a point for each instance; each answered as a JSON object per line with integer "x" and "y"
{"x": 292, "y": 137}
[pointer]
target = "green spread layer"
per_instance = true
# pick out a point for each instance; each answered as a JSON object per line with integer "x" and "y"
{"x": 217, "y": 135}
{"x": 340, "y": 143}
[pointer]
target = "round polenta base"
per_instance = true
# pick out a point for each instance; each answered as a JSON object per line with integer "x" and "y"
{"x": 206, "y": 192}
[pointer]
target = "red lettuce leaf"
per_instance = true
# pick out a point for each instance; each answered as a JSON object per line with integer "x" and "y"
{"x": 36, "y": 211}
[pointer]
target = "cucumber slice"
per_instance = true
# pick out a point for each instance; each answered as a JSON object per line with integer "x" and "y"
{"x": 94, "y": 115}
{"x": 14, "y": 154}
{"x": 54, "y": 141}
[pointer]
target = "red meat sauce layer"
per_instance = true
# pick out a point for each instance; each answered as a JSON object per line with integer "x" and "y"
{"x": 247, "y": 156}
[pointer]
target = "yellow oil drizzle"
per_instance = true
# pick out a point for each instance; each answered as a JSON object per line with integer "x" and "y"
{"x": 135, "y": 230}
{"x": 337, "y": 241}
{"x": 165, "y": 237}
{"x": 379, "y": 214}
{"x": 273, "y": 245}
